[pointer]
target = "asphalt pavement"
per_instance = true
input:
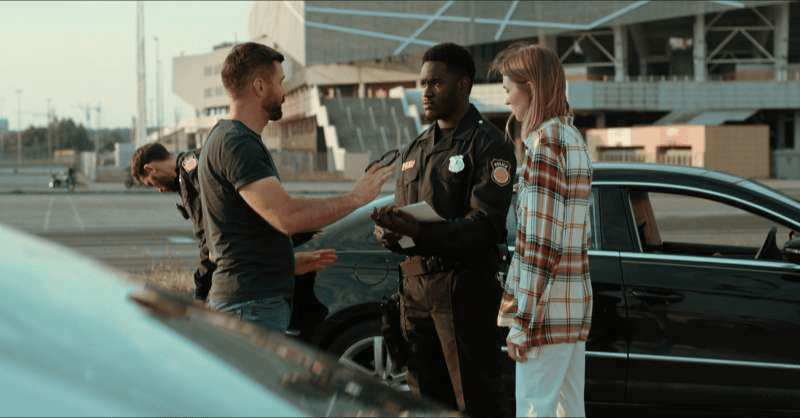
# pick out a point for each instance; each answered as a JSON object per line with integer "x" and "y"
{"x": 38, "y": 183}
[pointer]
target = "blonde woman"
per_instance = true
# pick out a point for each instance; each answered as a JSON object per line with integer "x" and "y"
{"x": 547, "y": 300}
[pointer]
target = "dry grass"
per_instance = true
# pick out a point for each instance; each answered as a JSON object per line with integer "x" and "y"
{"x": 175, "y": 279}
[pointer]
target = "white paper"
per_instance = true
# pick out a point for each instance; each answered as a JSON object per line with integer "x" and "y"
{"x": 406, "y": 242}
{"x": 422, "y": 212}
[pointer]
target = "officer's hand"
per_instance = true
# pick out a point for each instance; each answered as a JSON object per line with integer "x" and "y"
{"x": 400, "y": 222}
{"x": 379, "y": 215}
{"x": 387, "y": 238}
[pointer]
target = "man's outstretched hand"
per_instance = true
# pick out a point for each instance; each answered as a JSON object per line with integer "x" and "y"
{"x": 308, "y": 261}
{"x": 369, "y": 185}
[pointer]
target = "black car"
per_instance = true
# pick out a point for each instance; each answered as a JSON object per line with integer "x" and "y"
{"x": 696, "y": 305}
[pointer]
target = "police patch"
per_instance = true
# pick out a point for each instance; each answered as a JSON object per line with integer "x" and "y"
{"x": 501, "y": 172}
{"x": 190, "y": 163}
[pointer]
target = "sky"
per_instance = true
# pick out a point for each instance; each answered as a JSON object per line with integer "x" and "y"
{"x": 83, "y": 53}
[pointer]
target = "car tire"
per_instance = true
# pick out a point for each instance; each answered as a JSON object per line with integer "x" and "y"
{"x": 361, "y": 345}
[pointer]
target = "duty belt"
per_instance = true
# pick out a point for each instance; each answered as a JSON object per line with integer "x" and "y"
{"x": 419, "y": 265}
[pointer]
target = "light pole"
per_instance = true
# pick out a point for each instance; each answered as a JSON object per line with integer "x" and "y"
{"x": 158, "y": 92}
{"x": 49, "y": 129}
{"x": 19, "y": 129}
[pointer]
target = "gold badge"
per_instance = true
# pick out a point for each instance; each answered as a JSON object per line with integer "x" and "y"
{"x": 189, "y": 164}
{"x": 501, "y": 172}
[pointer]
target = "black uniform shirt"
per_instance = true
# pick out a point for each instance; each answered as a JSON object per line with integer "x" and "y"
{"x": 189, "y": 190}
{"x": 190, "y": 208}
{"x": 467, "y": 178}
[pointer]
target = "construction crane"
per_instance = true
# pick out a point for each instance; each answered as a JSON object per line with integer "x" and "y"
{"x": 88, "y": 109}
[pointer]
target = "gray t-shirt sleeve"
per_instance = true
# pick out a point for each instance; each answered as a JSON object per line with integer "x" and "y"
{"x": 247, "y": 161}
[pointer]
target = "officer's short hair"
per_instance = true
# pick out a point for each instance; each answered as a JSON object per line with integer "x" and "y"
{"x": 244, "y": 62}
{"x": 458, "y": 60}
{"x": 144, "y": 155}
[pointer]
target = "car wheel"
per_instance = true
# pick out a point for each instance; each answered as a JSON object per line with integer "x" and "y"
{"x": 362, "y": 347}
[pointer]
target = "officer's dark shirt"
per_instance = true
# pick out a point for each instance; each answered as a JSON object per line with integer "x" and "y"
{"x": 189, "y": 190}
{"x": 190, "y": 208}
{"x": 466, "y": 176}
{"x": 253, "y": 259}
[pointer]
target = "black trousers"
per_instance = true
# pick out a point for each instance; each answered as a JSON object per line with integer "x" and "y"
{"x": 449, "y": 319}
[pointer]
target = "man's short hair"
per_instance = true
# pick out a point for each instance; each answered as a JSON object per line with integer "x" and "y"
{"x": 244, "y": 62}
{"x": 458, "y": 60}
{"x": 144, "y": 155}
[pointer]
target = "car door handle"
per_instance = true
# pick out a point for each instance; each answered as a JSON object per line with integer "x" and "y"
{"x": 666, "y": 297}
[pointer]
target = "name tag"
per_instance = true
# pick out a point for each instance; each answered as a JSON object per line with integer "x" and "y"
{"x": 408, "y": 165}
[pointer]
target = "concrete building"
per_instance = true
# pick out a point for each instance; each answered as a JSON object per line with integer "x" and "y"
{"x": 629, "y": 63}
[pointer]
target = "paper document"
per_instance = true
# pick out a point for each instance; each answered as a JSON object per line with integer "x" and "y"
{"x": 422, "y": 212}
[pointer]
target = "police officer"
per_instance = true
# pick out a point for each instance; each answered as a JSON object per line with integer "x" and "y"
{"x": 153, "y": 165}
{"x": 449, "y": 293}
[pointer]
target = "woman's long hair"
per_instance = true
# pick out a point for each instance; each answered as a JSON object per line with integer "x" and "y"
{"x": 541, "y": 67}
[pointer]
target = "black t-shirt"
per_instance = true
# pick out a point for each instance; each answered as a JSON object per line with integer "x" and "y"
{"x": 254, "y": 260}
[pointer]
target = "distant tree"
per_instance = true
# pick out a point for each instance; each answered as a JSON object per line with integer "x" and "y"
{"x": 66, "y": 134}
{"x": 72, "y": 136}
{"x": 108, "y": 137}
{"x": 34, "y": 142}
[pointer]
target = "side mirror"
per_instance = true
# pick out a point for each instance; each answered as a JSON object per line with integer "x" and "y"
{"x": 791, "y": 250}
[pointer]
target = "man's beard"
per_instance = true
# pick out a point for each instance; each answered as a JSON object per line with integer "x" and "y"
{"x": 276, "y": 113}
{"x": 173, "y": 186}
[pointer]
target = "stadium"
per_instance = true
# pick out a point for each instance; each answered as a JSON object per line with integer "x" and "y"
{"x": 704, "y": 83}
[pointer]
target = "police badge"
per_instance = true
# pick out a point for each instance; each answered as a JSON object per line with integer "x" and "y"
{"x": 456, "y": 164}
{"x": 189, "y": 164}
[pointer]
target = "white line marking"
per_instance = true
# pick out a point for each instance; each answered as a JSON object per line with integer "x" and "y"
{"x": 46, "y": 226}
{"x": 75, "y": 212}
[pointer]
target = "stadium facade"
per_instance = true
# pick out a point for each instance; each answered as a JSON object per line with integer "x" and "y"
{"x": 352, "y": 68}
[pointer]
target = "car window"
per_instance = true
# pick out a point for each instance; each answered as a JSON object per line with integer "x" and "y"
{"x": 511, "y": 221}
{"x": 691, "y": 225}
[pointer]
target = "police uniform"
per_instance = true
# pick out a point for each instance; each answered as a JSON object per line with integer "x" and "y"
{"x": 449, "y": 290}
{"x": 190, "y": 208}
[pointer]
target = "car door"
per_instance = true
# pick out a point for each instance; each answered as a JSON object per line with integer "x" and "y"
{"x": 710, "y": 325}
{"x": 606, "y": 349}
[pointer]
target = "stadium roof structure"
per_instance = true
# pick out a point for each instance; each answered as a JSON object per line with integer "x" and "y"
{"x": 342, "y": 31}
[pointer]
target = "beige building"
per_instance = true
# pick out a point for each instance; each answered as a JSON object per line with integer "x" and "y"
{"x": 738, "y": 149}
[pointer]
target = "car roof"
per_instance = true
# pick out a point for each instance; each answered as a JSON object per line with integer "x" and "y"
{"x": 695, "y": 179}
{"x": 611, "y": 171}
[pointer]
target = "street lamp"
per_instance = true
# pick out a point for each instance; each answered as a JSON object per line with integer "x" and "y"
{"x": 158, "y": 92}
{"x": 19, "y": 129}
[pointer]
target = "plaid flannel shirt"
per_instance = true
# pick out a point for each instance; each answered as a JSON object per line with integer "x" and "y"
{"x": 548, "y": 295}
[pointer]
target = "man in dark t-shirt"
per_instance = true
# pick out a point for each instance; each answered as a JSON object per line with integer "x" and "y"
{"x": 154, "y": 166}
{"x": 248, "y": 249}
{"x": 249, "y": 217}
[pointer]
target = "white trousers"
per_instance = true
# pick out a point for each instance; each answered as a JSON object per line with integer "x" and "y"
{"x": 550, "y": 383}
